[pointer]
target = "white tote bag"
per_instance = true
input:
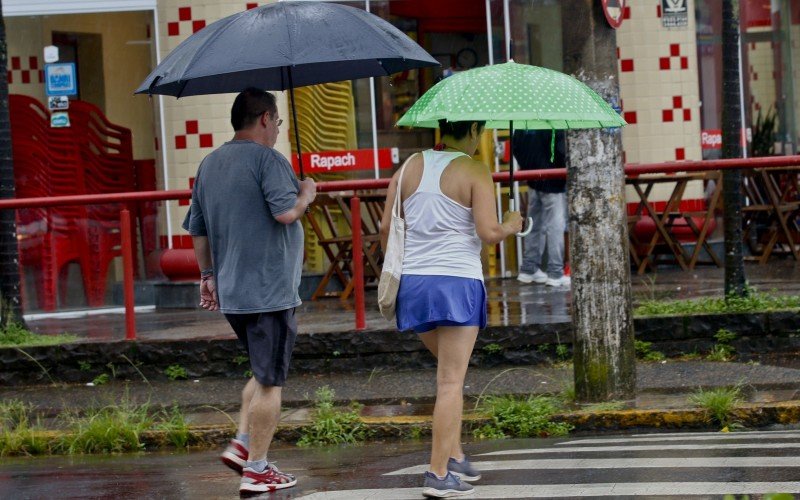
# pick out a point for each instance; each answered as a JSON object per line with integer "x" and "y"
{"x": 389, "y": 283}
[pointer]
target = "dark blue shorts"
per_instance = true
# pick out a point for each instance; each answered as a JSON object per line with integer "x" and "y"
{"x": 268, "y": 339}
{"x": 427, "y": 302}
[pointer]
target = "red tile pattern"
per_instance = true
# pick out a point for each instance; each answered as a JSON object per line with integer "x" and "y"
{"x": 192, "y": 128}
{"x": 626, "y": 65}
{"x": 185, "y": 18}
{"x": 24, "y": 74}
{"x": 677, "y": 110}
{"x": 674, "y": 60}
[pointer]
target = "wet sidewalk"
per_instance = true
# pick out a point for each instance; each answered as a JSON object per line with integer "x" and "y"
{"x": 510, "y": 304}
{"x": 390, "y": 396}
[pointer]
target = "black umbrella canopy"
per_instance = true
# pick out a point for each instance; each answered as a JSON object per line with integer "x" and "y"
{"x": 284, "y": 45}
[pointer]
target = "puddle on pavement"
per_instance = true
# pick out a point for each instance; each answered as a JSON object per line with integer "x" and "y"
{"x": 397, "y": 410}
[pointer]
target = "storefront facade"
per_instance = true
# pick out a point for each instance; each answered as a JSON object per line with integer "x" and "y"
{"x": 669, "y": 63}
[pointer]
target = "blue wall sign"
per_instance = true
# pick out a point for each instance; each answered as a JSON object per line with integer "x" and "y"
{"x": 60, "y": 79}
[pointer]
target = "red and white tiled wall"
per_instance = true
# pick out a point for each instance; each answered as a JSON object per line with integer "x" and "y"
{"x": 25, "y": 74}
{"x": 196, "y": 125}
{"x": 659, "y": 89}
{"x": 659, "y": 86}
{"x": 761, "y": 75}
{"x": 795, "y": 35}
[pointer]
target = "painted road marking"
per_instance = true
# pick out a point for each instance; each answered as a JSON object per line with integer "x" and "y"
{"x": 652, "y": 447}
{"x": 705, "y": 436}
{"x": 621, "y": 463}
{"x": 574, "y": 490}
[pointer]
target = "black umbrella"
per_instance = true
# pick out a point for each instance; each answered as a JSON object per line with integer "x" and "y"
{"x": 285, "y": 45}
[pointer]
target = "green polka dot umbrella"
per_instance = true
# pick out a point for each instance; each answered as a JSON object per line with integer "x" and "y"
{"x": 513, "y": 96}
{"x": 529, "y": 96}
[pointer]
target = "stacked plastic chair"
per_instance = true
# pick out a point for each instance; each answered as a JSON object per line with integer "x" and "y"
{"x": 47, "y": 163}
{"x": 92, "y": 156}
{"x": 107, "y": 155}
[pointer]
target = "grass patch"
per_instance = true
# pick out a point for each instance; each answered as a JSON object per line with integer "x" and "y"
{"x": 521, "y": 417}
{"x": 562, "y": 353}
{"x": 115, "y": 428}
{"x": 174, "y": 424}
{"x": 605, "y": 406}
{"x": 331, "y": 425}
{"x": 176, "y": 372}
{"x": 111, "y": 429}
{"x": 644, "y": 351}
{"x": 493, "y": 348}
{"x": 718, "y": 403}
{"x": 722, "y": 350}
{"x": 15, "y": 335}
{"x": 19, "y": 435}
{"x": 753, "y": 302}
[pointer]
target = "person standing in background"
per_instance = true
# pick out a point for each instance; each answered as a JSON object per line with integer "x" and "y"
{"x": 547, "y": 207}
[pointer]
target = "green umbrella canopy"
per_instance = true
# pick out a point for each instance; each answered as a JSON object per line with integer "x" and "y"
{"x": 530, "y": 96}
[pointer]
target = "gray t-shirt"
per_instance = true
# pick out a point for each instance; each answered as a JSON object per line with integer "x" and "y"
{"x": 238, "y": 191}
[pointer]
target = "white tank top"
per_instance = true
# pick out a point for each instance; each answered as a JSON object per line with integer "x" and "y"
{"x": 440, "y": 232}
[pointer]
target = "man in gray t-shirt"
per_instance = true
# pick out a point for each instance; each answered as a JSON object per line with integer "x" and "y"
{"x": 245, "y": 226}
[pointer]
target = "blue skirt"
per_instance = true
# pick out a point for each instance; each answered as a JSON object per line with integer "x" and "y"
{"x": 427, "y": 302}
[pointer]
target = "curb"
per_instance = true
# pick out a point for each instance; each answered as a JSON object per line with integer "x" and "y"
{"x": 749, "y": 415}
{"x": 413, "y": 427}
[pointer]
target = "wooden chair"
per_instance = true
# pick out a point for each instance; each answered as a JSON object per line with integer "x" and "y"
{"x": 335, "y": 243}
{"x": 671, "y": 225}
{"x": 771, "y": 212}
{"x": 372, "y": 206}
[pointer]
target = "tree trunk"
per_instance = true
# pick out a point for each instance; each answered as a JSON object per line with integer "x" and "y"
{"x": 10, "y": 300}
{"x": 735, "y": 283}
{"x": 605, "y": 366}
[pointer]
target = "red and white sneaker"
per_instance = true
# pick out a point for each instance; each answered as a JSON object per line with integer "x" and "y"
{"x": 270, "y": 480}
{"x": 235, "y": 456}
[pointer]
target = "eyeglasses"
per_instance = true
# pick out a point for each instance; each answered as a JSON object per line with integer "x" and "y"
{"x": 278, "y": 122}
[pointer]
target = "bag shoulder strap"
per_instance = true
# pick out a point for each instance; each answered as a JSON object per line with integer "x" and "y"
{"x": 397, "y": 198}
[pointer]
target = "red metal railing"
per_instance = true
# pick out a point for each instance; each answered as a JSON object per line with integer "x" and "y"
{"x": 353, "y": 185}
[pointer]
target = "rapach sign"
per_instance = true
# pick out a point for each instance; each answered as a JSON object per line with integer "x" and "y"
{"x": 324, "y": 162}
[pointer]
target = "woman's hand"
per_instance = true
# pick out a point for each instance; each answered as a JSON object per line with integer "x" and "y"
{"x": 512, "y": 222}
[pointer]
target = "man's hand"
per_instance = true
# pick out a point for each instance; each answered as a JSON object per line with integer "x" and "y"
{"x": 208, "y": 293}
{"x": 308, "y": 190}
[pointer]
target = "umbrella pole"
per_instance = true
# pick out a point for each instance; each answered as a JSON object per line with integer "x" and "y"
{"x": 512, "y": 199}
{"x": 511, "y": 189}
{"x": 296, "y": 126}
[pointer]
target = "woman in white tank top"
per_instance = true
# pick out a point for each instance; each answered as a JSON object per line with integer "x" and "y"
{"x": 449, "y": 208}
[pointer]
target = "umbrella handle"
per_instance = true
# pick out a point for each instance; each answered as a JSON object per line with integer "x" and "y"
{"x": 526, "y": 232}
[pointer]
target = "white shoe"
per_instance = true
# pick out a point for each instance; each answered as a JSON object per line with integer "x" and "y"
{"x": 564, "y": 281}
{"x": 537, "y": 277}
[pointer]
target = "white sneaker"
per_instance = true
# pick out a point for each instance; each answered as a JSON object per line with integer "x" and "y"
{"x": 537, "y": 277}
{"x": 563, "y": 281}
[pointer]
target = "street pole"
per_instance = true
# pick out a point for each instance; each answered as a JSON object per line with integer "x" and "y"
{"x": 603, "y": 353}
{"x": 732, "y": 147}
{"x": 10, "y": 286}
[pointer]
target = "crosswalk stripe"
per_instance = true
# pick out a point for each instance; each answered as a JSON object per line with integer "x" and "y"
{"x": 686, "y": 437}
{"x": 615, "y": 463}
{"x": 652, "y": 447}
{"x": 574, "y": 490}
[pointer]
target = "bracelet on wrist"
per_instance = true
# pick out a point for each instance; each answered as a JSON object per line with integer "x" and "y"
{"x": 205, "y": 273}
